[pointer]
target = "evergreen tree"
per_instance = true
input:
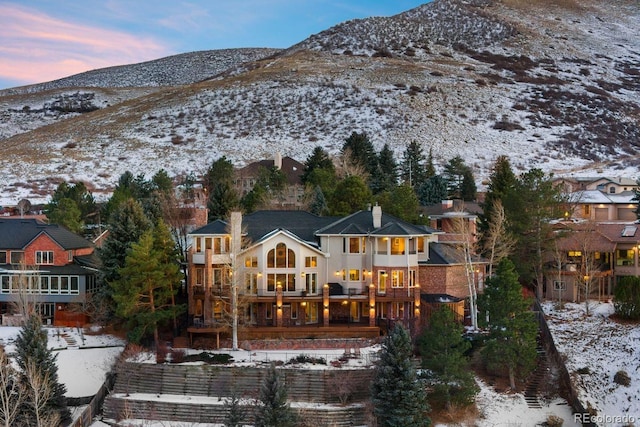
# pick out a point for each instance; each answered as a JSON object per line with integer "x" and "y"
{"x": 235, "y": 412}
{"x": 223, "y": 198}
{"x": 361, "y": 152}
{"x": 433, "y": 191}
{"x": 220, "y": 171}
{"x": 511, "y": 346}
{"x": 414, "y": 170}
{"x": 443, "y": 349}
{"x": 38, "y": 366}
{"x": 144, "y": 293}
{"x": 385, "y": 177}
{"x": 161, "y": 182}
{"x": 351, "y": 195}
{"x": 454, "y": 174}
{"x": 67, "y": 214}
{"x": 318, "y": 205}
{"x": 400, "y": 202}
{"x": 273, "y": 409}
{"x": 429, "y": 168}
{"x": 468, "y": 190}
{"x": 325, "y": 179}
{"x": 627, "y": 297}
{"x": 319, "y": 159}
{"x": 398, "y": 398}
{"x": 502, "y": 183}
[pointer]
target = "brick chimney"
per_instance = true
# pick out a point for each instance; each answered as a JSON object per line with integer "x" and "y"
{"x": 376, "y": 213}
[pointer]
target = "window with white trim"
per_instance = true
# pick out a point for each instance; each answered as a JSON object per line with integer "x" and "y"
{"x": 44, "y": 257}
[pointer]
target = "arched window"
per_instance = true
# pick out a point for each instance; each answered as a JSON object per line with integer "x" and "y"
{"x": 281, "y": 257}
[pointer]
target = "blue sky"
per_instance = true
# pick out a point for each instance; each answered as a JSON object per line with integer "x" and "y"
{"x": 42, "y": 40}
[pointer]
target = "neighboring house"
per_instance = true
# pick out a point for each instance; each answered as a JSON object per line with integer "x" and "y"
{"x": 592, "y": 257}
{"x": 47, "y": 266}
{"x": 302, "y": 275}
{"x": 603, "y": 184}
{"x": 600, "y": 206}
{"x": 291, "y": 197}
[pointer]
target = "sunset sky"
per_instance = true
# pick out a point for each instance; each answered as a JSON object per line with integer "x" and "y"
{"x": 42, "y": 40}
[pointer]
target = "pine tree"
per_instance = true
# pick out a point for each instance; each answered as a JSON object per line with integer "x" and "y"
{"x": 401, "y": 202}
{"x": 414, "y": 170}
{"x": 386, "y": 173}
{"x": 145, "y": 290}
{"x": 443, "y": 349}
{"x": 38, "y": 365}
{"x": 398, "y": 398}
{"x": 511, "y": 345}
{"x": 318, "y": 204}
{"x": 433, "y": 191}
{"x": 235, "y": 412}
{"x": 459, "y": 178}
{"x": 361, "y": 152}
{"x": 223, "y": 198}
{"x": 273, "y": 409}
{"x": 319, "y": 159}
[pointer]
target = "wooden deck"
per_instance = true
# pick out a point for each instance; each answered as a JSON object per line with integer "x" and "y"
{"x": 352, "y": 330}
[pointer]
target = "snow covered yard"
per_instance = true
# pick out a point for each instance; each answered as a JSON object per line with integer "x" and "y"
{"x": 596, "y": 347}
{"x": 83, "y": 359}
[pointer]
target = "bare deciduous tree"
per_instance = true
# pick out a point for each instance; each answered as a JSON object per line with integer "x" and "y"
{"x": 466, "y": 241}
{"x": 498, "y": 244}
{"x": 12, "y": 393}
{"x": 39, "y": 392}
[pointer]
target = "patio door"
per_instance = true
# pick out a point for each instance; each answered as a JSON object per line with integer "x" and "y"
{"x": 354, "y": 311}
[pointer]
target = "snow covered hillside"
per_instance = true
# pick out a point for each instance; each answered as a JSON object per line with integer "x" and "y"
{"x": 553, "y": 85}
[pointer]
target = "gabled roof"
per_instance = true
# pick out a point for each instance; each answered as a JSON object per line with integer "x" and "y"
{"x": 216, "y": 227}
{"x": 16, "y": 234}
{"x": 291, "y": 168}
{"x": 361, "y": 223}
{"x": 300, "y": 223}
{"x": 599, "y": 197}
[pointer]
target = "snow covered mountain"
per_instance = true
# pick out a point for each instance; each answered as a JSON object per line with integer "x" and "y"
{"x": 552, "y": 84}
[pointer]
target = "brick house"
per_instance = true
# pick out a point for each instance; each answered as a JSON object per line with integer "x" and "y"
{"x": 47, "y": 266}
{"x": 299, "y": 274}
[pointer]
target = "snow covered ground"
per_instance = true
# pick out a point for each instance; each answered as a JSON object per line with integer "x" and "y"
{"x": 596, "y": 347}
{"x": 595, "y": 344}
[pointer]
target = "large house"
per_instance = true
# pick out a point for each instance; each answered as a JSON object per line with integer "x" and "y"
{"x": 46, "y": 266}
{"x": 298, "y": 274}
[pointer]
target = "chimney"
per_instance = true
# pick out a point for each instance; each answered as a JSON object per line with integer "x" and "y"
{"x": 376, "y": 213}
{"x": 277, "y": 161}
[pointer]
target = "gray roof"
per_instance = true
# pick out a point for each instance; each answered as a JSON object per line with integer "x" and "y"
{"x": 361, "y": 223}
{"x": 16, "y": 234}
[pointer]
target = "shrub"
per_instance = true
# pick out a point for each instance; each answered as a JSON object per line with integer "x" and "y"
{"x": 210, "y": 358}
{"x": 304, "y": 358}
{"x": 584, "y": 371}
{"x": 622, "y": 378}
{"x": 554, "y": 421}
{"x": 627, "y": 298}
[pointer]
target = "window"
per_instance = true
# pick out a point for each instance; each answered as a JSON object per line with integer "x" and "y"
{"x": 383, "y": 277}
{"x": 198, "y": 244}
{"x": 286, "y": 281}
{"x": 3, "y": 257}
{"x": 586, "y": 209}
{"x": 354, "y": 275}
{"x": 294, "y": 310}
{"x": 311, "y": 283}
{"x": 200, "y": 276}
{"x": 221, "y": 245}
{"x": 311, "y": 313}
{"x": 208, "y": 243}
{"x": 382, "y": 245}
{"x": 624, "y": 257}
{"x": 311, "y": 262}
{"x": 397, "y": 246}
{"x": 612, "y": 190}
{"x": 559, "y": 286}
{"x": 17, "y": 257}
{"x": 218, "y": 281}
{"x": 55, "y": 285}
{"x": 269, "y": 311}
{"x": 353, "y": 245}
{"x": 5, "y": 284}
{"x": 74, "y": 288}
{"x": 44, "y": 257}
{"x": 574, "y": 254}
{"x": 281, "y": 257}
{"x": 251, "y": 283}
{"x": 420, "y": 242}
{"x": 397, "y": 278}
{"x": 412, "y": 279}
{"x": 251, "y": 262}
{"x": 70, "y": 256}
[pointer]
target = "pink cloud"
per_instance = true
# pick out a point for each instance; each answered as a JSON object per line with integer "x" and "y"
{"x": 37, "y": 47}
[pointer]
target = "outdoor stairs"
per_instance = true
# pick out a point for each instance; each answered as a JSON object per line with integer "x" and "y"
{"x": 538, "y": 375}
{"x": 71, "y": 342}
